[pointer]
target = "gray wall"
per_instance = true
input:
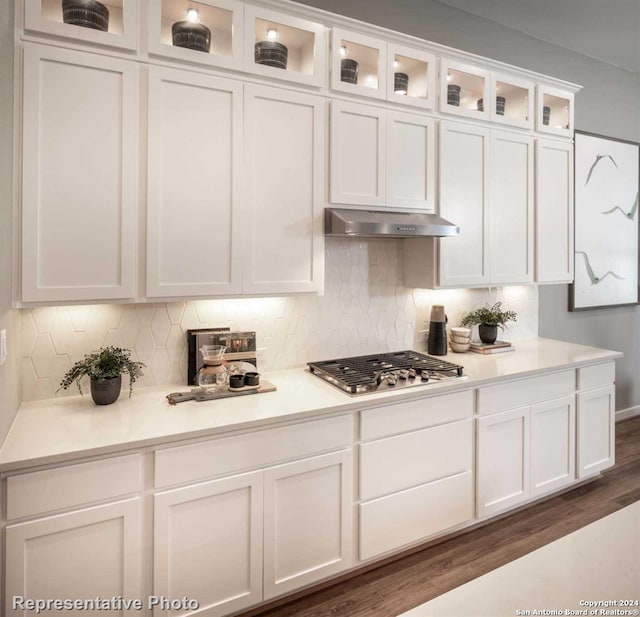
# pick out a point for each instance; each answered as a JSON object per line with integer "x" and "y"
{"x": 608, "y": 105}
{"x": 9, "y": 319}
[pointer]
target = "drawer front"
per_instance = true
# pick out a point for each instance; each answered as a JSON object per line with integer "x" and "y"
{"x": 73, "y": 485}
{"x": 397, "y": 463}
{"x": 392, "y": 522}
{"x": 414, "y": 415}
{"x": 597, "y": 376}
{"x": 226, "y": 455}
{"x": 501, "y": 397}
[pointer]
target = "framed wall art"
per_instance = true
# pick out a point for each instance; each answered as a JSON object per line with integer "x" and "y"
{"x": 607, "y": 180}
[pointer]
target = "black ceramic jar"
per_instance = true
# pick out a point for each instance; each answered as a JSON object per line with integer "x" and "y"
{"x": 191, "y": 35}
{"x": 453, "y": 95}
{"x": 86, "y": 13}
{"x": 349, "y": 71}
{"x": 400, "y": 83}
{"x": 271, "y": 53}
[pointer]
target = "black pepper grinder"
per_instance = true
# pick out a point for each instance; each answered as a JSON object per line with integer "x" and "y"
{"x": 437, "y": 341}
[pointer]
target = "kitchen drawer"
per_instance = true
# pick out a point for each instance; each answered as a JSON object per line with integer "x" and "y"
{"x": 597, "y": 376}
{"x": 403, "y": 518}
{"x": 74, "y": 485}
{"x": 504, "y": 396}
{"x": 413, "y": 415}
{"x": 400, "y": 462}
{"x": 227, "y": 455}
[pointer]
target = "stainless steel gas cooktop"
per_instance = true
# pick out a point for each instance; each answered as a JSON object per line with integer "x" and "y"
{"x": 385, "y": 371}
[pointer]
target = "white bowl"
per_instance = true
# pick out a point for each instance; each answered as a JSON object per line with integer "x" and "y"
{"x": 460, "y": 339}
{"x": 459, "y": 347}
{"x": 466, "y": 332}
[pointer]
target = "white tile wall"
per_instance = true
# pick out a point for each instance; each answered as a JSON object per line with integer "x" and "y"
{"x": 365, "y": 309}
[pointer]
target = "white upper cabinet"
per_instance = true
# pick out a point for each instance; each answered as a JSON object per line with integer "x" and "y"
{"x": 79, "y": 176}
{"x": 554, "y": 211}
{"x": 358, "y": 64}
{"x": 411, "y": 76}
{"x": 381, "y": 157}
{"x": 283, "y": 191}
{"x": 115, "y": 24}
{"x": 206, "y": 31}
{"x": 511, "y": 210}
{"x": 280, "y": 46}
{"x": 513, "y": 100}
{"x": 464, "y": 89}
{"x": 358, "y": 154}
{"x": 411, "y": 152}
{"x": 554, "y": 111}
{"x": 194, "y": 166}
{"x": 464, "y": 151}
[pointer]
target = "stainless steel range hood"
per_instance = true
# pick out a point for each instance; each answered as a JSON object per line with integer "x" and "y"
{"x": 365, "y": 223}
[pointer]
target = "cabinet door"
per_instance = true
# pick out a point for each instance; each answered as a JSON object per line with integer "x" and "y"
{"x": 503, "y": 461}
{"x": 307, "y": 521}
{"x": 207, "y": 544}
{"x": 554, "y": 211}
{"x": 411, "y": 163}
{"x": 81, "y": 554}
{"x": 285, "y": 183}
{"x": 553, "y": 445}
{"x": 464, "y": 260}
{"x": 596, "y": 430}
{"x": 358, "y": 152}
{"x": 194, "y": 159}
{"x": 79, "y": 175}
{"x": 511, "y": 210}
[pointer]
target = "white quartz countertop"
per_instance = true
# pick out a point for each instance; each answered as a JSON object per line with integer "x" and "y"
{"x": 65, "y": 428}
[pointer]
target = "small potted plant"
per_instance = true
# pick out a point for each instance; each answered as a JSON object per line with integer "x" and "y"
{"x": 105, "y": 368}
{"x": 488, "y": 319}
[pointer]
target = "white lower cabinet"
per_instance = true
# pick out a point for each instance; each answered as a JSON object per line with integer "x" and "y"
{"x": 233, "y": 542}
{"x": 85, "y": 553}
{"x": 553, "y": 445}
{"x": 417, "y": 484}
{"x": 208, "y": 544}
{"x": 307, "y": 521}
{"x": 596, "y": 430}
{"x": 503, "y": 461}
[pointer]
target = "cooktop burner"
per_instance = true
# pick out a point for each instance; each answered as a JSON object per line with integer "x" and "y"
{"x": 383, "y": 371}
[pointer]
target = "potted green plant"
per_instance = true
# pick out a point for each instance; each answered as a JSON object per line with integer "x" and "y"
{"x": 105, "y": 368}
{"x": 488, "y": 319}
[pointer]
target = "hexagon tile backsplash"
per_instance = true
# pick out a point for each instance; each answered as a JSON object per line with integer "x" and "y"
{"x": 365, "y": 309}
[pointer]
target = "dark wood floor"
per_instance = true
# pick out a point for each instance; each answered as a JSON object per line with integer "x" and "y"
{"x": 412, "y": 580}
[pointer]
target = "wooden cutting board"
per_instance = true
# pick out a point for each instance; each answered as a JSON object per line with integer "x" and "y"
{"x": 265, "y": 386}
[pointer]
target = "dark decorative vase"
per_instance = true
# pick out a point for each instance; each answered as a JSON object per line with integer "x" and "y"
{"x": 400, "y": 83}
{"x": 106, "y": 391}
{"x": 191, "y": 35}
{"x": 488, "y": 334}
{"x": 546, "y": 115}
{"x": 86, "y": 13}
{"x": 271, "y": 53}
{"x": 500, "y": 105}
{"x": 349, "y": 70}
{"x": 453, "y": 95}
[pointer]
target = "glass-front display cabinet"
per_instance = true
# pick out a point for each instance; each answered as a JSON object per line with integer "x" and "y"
{"x": 464, "y": 89}
{"x": 554, "y": 112}
{"x": 512, "y": 100}
{"x": 285, "y": 47}
{"x": 358, "y": 64}
{"x": 112, "y": 23}
{"x": 411, "y": 76}
{"x": 202, "y": 31}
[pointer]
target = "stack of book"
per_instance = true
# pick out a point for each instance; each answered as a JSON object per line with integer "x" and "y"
{"x": 485, "y": 348}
